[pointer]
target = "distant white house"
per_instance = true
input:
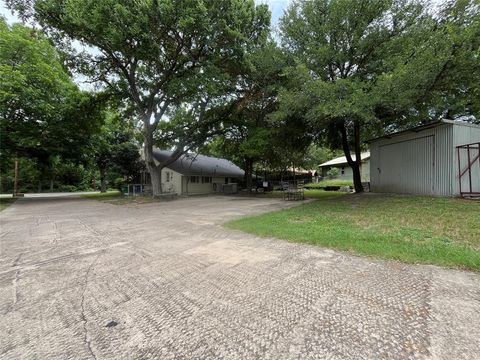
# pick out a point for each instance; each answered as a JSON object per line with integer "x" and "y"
{"x": 344, "y": 170}
{"x": 195, "y": 174}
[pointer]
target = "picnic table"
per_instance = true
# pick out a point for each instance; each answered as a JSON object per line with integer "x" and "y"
{"x": 293, "y": 191}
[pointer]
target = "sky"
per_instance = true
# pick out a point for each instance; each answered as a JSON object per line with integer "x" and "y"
{"x": 7, "y": 13}
{"x": 277, "y": 8}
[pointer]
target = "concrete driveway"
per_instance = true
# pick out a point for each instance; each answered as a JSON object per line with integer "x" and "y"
{"x": 82, "y": 279}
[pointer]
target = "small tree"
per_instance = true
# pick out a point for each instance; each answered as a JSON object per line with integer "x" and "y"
{"x": 115, "y": 151}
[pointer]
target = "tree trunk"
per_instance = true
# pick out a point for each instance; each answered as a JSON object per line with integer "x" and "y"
{"x": 153, "y": 169}
{"x": 39, "y": 187}
{"x": 248, "y": 174}
{"x": 52, "y": 178}
{"x": 103, "y": 180}
{"x": 15, "y": 178}
{"x": 357, "y": 176}
{"x": 357, "y": 179}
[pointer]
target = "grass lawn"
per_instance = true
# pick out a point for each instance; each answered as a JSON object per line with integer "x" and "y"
{"x": 332, "y": 182}
{"x": 105, "y": 195}
{"x": 412, "y": 229}
{"x": 117, "y": 198}
{"x": 6, "y": 202}
{"x": 309, "y": 194}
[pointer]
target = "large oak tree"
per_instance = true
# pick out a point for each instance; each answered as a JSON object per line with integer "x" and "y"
{"x": 160, "y": 54}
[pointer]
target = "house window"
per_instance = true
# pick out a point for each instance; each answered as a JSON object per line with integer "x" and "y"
{"x": 343, "y": 171}
{"x": 206, "y": 179}
{"x": 194, "y": 179}
{"x": 168, "y": 176}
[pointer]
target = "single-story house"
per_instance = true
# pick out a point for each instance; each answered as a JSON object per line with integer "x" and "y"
{"x": 430, "y": 159}
{"x": 344, "y": 170}
{"x": 193, "y": 174}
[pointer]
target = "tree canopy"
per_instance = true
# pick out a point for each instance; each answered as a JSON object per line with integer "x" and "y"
{"x": 42, "y": 111}
{"x": 365, "y": 67}
{"x": 160, "y": 55}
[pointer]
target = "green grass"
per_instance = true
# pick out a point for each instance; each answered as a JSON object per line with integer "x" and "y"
{"x": 106, "y": 195}
{"x": 6, "y": 202}
{"x": 117, "y": 198}
{"x": 332, "y": 182}
{"x": 309, "y": 194}
{"x": 413, "y": 229}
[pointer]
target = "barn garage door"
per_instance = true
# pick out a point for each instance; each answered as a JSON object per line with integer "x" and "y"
{"x": 408, "y": 167}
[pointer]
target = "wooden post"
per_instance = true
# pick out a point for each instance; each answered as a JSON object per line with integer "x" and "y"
{"x": 459, "y": 171}
{"x": 469, "y": 168}
{"x": 15, "y": 179}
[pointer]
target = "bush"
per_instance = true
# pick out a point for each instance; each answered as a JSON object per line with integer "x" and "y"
{"x": 333, "y": 172}
{"x": 67, "y": 188}
{"x": 118, "y": 183}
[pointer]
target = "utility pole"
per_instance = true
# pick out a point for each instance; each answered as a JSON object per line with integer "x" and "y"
{"x": 15, "y": 178}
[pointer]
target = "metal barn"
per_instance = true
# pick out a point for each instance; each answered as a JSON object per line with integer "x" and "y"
{"x": 440, "y": 158}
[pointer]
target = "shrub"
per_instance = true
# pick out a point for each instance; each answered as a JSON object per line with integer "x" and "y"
{"x": 333, "y": 172}
{"x": 67, "y": 188}
{"x": 118, "y": 183}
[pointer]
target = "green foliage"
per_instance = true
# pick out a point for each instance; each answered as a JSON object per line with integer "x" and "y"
{"x": 114, "y": 150}
{"x": 119, "y": 183}
{"x": 45, "y": 121}
{"x": 115, "y": 146}
{"x": 64, "y": 176}
{"x": 333, "y": 172}
{"x": 317, "y": 155}
{"x": 384, "y": 62}
{"x": 41, "y": 109}
{"x": 27, "y": 175}
{"x": 330, "y": 182}
{"x": 161, "y": 55}
{"x": 250, "y": 137}
{"x": 367, "y": 67}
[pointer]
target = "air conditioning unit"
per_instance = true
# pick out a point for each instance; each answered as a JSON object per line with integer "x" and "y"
{"x": 231, "y": 188}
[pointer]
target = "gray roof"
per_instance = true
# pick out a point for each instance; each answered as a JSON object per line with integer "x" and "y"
{"x": 192, "y": 164}
{"x": 343, "y": 159}
{"x": 424, "y": 127}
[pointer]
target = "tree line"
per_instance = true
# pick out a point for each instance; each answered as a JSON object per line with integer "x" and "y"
{"x": 213, "y": 76}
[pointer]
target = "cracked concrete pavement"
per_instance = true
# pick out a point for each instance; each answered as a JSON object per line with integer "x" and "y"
{"x": 82, "y": 279}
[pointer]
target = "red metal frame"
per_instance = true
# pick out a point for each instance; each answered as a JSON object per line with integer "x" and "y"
{"x": 468, "y": 168}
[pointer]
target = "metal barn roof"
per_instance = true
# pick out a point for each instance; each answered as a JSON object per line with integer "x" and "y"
{"x": 425, "y": 127}
{"x": 343, "y": 160}
{"x": 192, "y": 164}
